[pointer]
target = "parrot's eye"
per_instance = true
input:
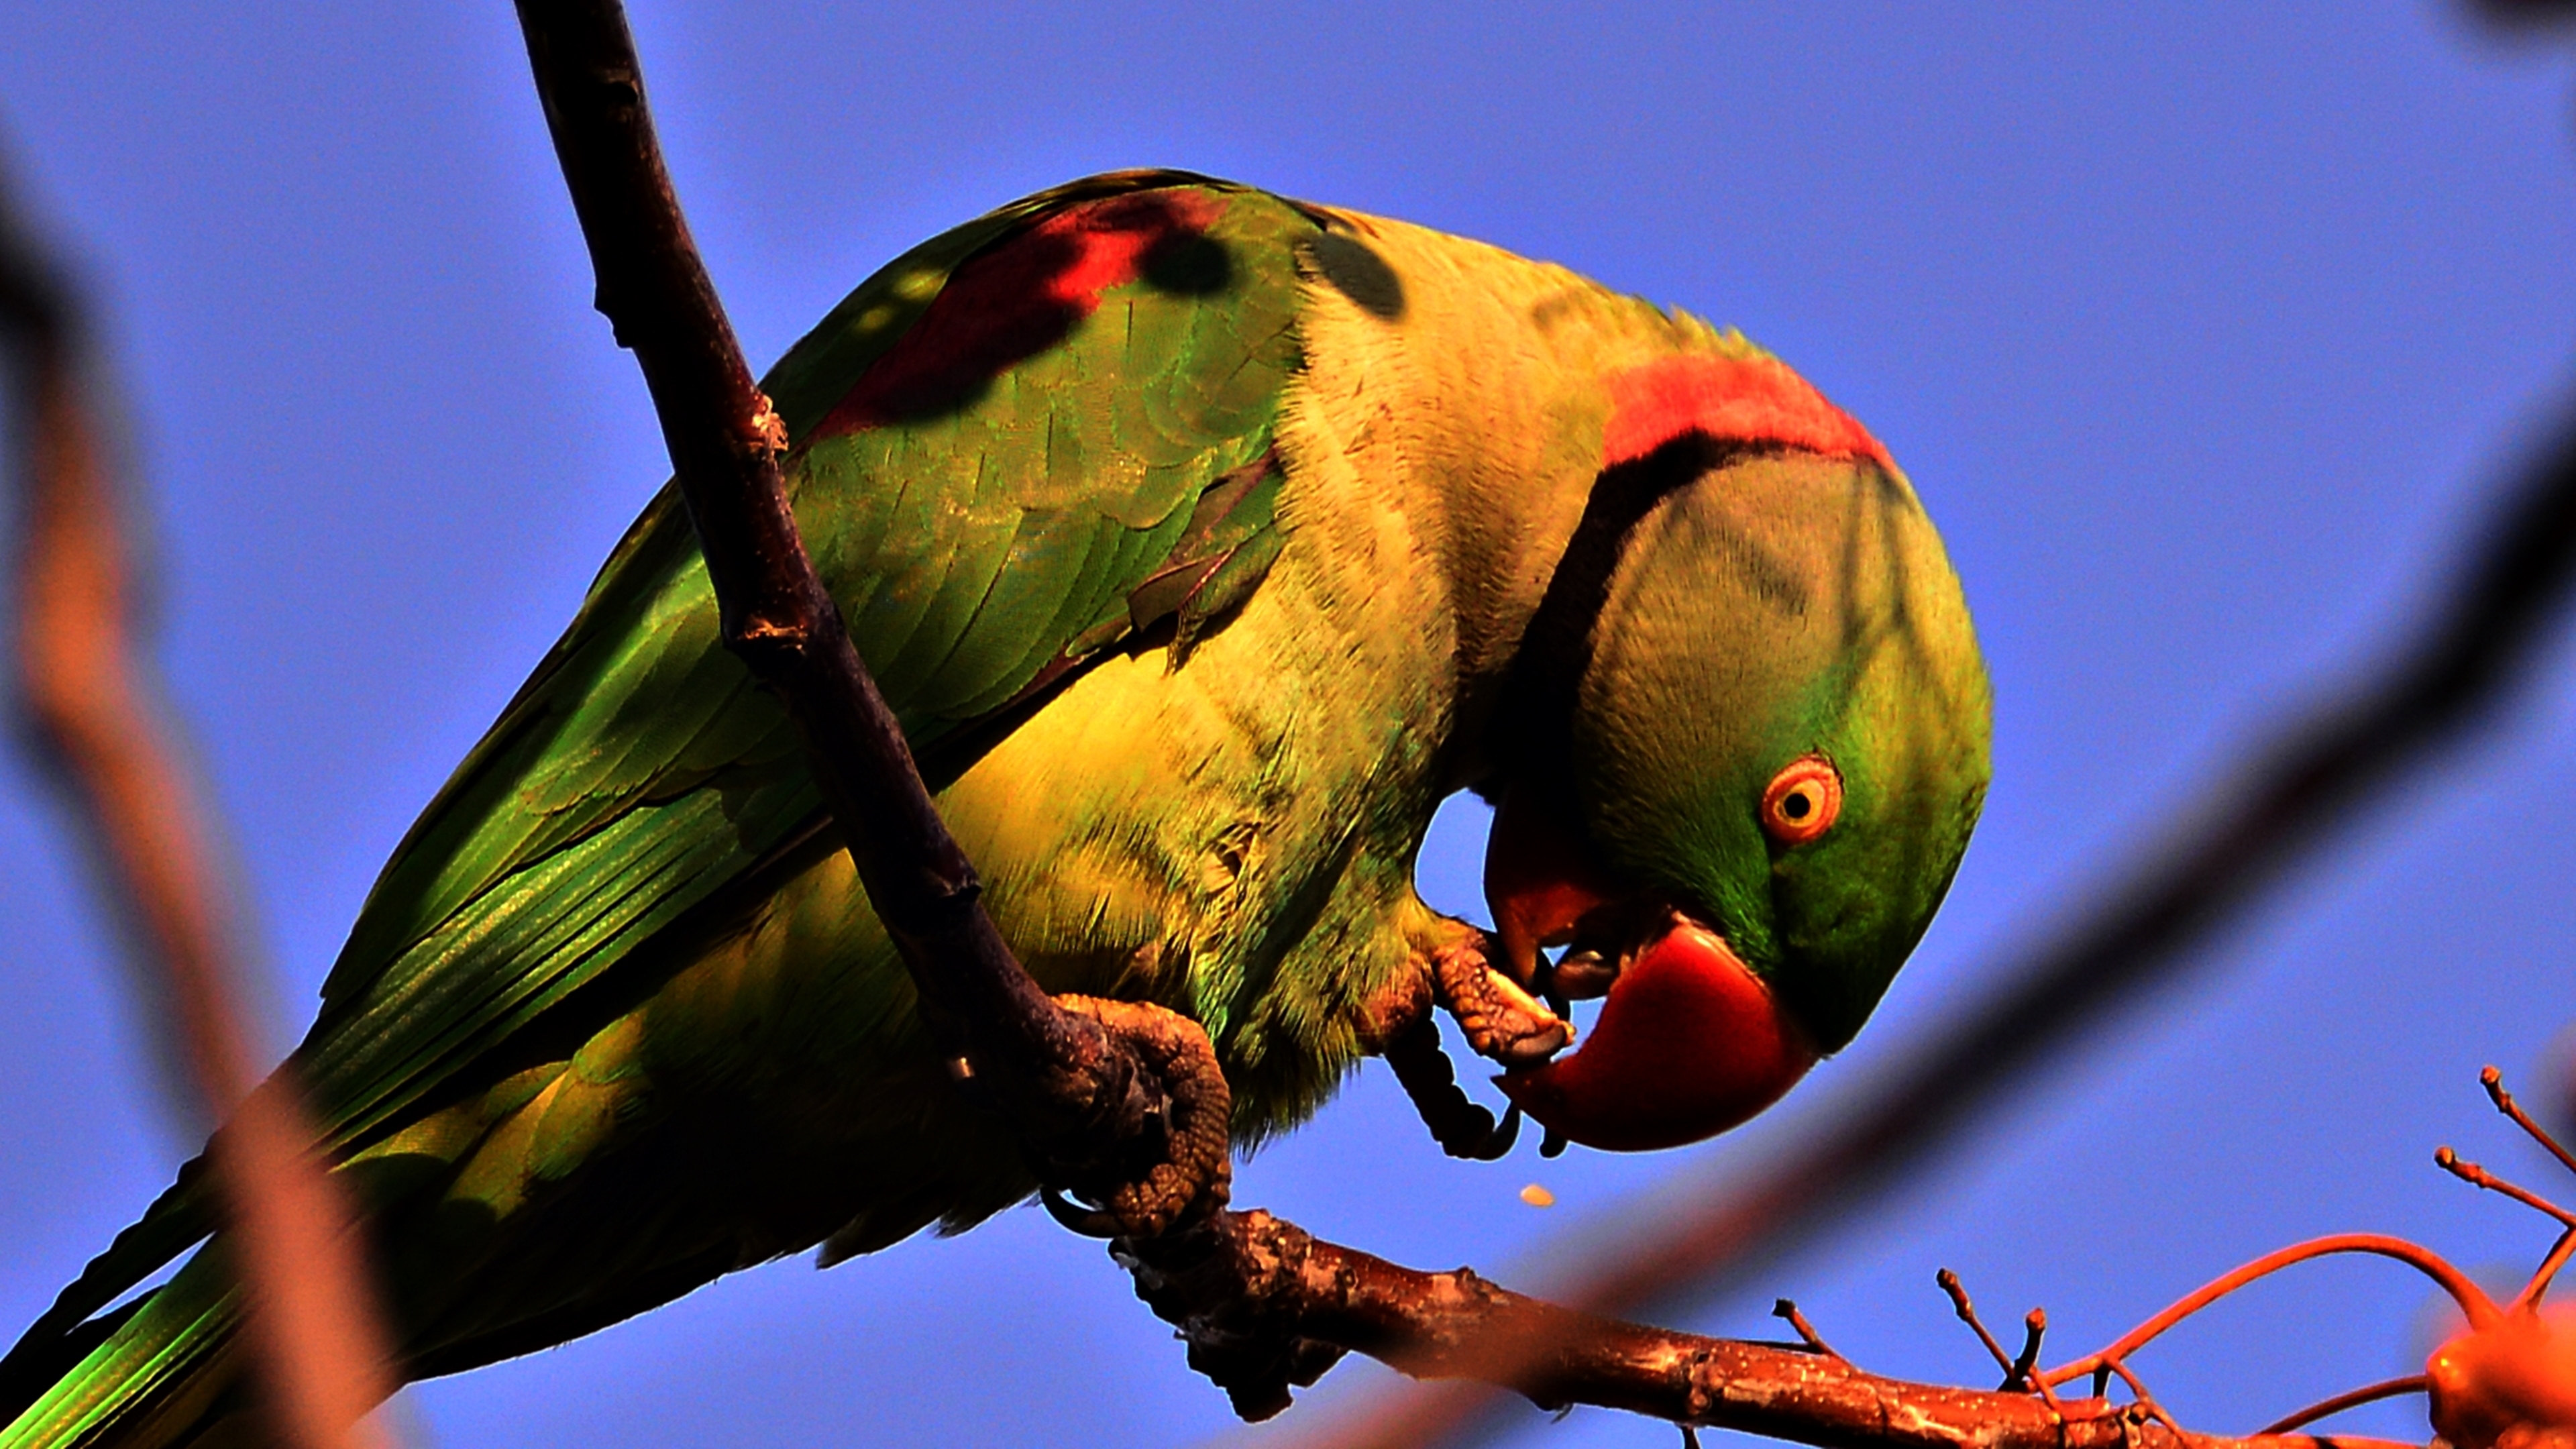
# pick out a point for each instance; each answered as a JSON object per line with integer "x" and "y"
{"x": 1802, "y": 800}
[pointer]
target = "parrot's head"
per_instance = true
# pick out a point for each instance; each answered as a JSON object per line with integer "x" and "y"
{"x": 1752, "y": 739}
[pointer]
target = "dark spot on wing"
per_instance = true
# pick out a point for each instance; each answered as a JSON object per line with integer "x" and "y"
{"x": 1189, "y": 264}
{"x": 1359, "y": 273}
{"x": 1024, "y": 296}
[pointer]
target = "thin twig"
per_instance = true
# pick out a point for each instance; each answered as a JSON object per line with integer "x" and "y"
{"x": 2146, "y": 1401}
{"x": 2034, "y": 1329}
{"x": 2476, "y": 1176}
{"x": 1788, "y": 1312}
{"x": 2350, "y": 1399}
{"x": 1967, "y": 1312}
{"x": 2493, "y": 1081}
{"x": 2480, "y": 1310}
{"x": 2541, "y": 1276}
{"x": 93, "y": 711}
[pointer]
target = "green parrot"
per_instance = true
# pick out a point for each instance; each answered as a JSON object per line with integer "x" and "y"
{"x": 1204, "y": 541}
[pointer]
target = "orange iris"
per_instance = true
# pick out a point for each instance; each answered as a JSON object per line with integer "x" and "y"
{"x": 1802, "y": 800}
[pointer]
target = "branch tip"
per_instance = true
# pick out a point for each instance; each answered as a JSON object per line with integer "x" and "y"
{"x": 2013, "y": 1370}
{"x": 2493, "y": 1081}
{"x": 2034, "y": 1327}
{"x": 2476, "y": 1176}
{"x": 1787, "y": 1311}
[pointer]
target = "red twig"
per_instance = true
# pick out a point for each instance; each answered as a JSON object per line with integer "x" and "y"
{"x": 2473, "y": 1300}
{"x": 2548, "y": 1270}
{"x": 2476, "y": 1176}
{"x": 2349, "y": 1399}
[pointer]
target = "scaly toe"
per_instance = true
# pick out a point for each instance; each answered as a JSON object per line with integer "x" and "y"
{"x": 1500, "y": 1020}
{"x": 1194, "y": 1176}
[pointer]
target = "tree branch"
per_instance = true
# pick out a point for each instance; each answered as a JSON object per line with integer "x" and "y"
{"x": 1457, "y": 1325}
{"x": 92, "y": 712}
{"x": 1069, "y": 1079}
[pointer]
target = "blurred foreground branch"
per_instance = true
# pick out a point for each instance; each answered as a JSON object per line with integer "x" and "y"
{"x": 93, "y": 715}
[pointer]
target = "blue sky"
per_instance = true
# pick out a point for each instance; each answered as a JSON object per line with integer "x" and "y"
{"x": 2202, "y": 329}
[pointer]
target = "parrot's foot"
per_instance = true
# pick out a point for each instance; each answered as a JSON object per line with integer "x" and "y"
{"x": 1499, "y": 1019}
{"x": 1182, "y": 1168}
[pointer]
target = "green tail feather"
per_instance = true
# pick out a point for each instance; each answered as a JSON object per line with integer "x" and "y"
{"x": 161, "y": 1376}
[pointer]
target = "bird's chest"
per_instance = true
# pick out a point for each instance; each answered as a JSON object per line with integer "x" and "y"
{"x": 1187, "y": 833}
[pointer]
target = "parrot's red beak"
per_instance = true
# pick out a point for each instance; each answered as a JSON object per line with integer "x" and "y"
{"x": 1689, "y": 1043}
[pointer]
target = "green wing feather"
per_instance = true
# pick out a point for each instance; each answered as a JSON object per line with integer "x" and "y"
{"x": 1114, "y": 482}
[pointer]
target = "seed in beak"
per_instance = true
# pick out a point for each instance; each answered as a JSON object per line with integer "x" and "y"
{"x": 1583, "y": 975}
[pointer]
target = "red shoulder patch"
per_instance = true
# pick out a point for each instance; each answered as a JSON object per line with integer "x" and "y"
{"x": 1744, "y": 400}
{"x": 1016, "y": 300}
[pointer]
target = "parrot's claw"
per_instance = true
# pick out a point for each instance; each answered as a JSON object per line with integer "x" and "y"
{"x": 1075, "y": 1218}
{"x": 1499, "y": 1019}
{"x": 1462, "y": 1128}
{"x": 1184, "y": 1167}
